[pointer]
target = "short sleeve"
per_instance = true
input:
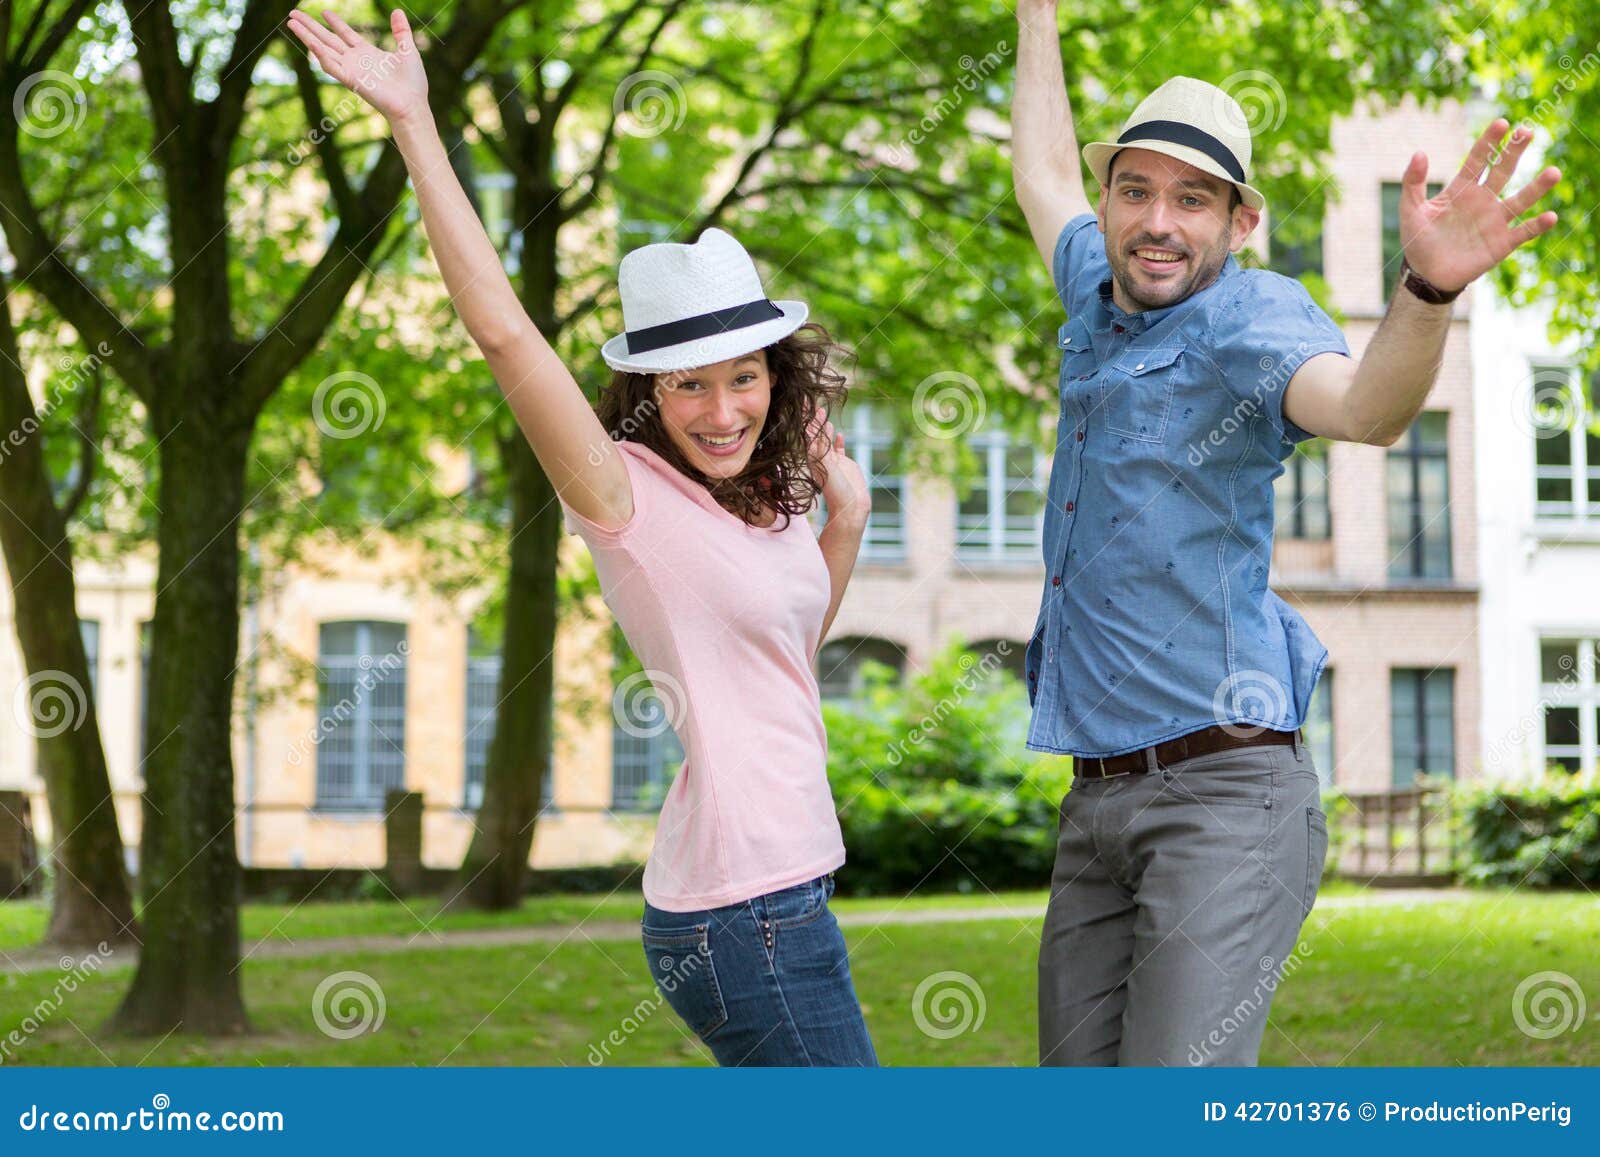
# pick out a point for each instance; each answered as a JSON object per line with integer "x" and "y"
{"x": 639, "y": 482}
{"x": 1262, "y": 335}
{"x": 1072, "y": 254}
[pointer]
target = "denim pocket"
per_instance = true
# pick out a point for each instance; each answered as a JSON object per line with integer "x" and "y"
{"x": 795, "y": 906}
{"x": 1316, "y": 855}
{"x": 680, "y": 964}
{"x": 1243, "y": 782}
{"x": 1136, "y": 394}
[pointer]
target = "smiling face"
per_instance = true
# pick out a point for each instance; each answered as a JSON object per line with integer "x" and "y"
{"x": 715, "y": 413}
{"x": 1168, "y": 227}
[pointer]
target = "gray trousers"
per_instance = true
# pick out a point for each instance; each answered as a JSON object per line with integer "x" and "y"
{"x": 1175, "y": 906}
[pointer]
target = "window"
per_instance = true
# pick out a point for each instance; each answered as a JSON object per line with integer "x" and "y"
{"x": 1566, "y": 443}
{"x": 1392, "y": 249}
{"x": 90, "y": 630}
{"x": 1319, "y": 727}
{"x": 1569, "y": 691}
{"x": 361, "y": 710}
{"x": 1300, "y": 494}
{"x": 1422, "y": 718}
{"x": 483, "y": 702}
{"x": 999, "y": 655}
{"x": 869, "y": 439}
{"x": 1419, "y": 501}
{"x": 1002, "y": 517}
{"x": 839, "y": 665}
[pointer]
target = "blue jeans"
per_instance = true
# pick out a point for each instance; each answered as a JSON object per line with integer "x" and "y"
{"x": 763, "y": 982}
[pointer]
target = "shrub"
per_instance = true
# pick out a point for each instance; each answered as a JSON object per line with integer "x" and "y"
{"x": 935, "y": 787}
{"x": 1544, "y": 833}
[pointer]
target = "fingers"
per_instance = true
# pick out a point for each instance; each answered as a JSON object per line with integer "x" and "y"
{"x": 1480, "y": 154}
{"x": 1531, "y": 228}
{"x": 344, "y": 31}
{"x": 1523, "y": 199}
{"x": 1414, "y": 181}
{"x": 314, "y": 34}
{"x": 1506, "y": 162}
{"x": 401, "y": 27}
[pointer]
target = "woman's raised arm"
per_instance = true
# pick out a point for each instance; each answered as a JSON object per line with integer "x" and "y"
{"x": 572, "y": 446}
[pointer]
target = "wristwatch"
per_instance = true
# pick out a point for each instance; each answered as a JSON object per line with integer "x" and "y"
{"x": 1423, "y": 289}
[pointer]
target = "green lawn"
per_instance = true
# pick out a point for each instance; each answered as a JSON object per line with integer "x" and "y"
{"x": 1430, "y": 984}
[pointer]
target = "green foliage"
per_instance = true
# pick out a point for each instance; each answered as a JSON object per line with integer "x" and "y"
{"x": 934, "y": 786}
{"x": 1546, "y": 833}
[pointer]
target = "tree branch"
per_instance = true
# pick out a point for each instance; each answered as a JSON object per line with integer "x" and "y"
{"x": 89, "y": 444}
{"x": 261, "y": 22}
{"x": 165, "y": 77}
{"x": 54, "y": 39}
{"x": 321, "y": 294}
{"x": 595, "y": 176}
{"x": 344, "y": 199}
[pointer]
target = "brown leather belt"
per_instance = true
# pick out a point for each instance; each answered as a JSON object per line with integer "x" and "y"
{"x": 1206, "y": 742}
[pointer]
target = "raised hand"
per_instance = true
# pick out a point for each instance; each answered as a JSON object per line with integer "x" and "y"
{"x": 394, "y": 83}
{"x": 1468, "y": 229}
{"x": 844, "y": 487}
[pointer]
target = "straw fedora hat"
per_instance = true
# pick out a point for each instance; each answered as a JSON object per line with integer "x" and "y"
{"x": 694, "y": 305}
{"x": 1193, "y": 121}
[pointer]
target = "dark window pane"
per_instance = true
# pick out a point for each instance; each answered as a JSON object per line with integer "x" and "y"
{"x": 1561, "y": 727}
{"x": 1557, "y": 490}
{"x": 1558, "y": 661}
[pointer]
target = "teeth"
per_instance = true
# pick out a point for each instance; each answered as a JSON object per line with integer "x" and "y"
{"x": 1152, "y": 255}
{"x": 729, "y": 440}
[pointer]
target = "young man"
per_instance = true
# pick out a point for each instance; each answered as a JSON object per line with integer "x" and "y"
{"x": 1192, "y": 841}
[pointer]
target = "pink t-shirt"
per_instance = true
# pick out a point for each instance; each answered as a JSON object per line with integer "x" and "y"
{"x": 725, "y": 618}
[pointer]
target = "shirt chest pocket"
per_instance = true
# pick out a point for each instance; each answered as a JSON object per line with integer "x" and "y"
{"x": 1077, "y": 361}
{"x": 1136, "y": 393}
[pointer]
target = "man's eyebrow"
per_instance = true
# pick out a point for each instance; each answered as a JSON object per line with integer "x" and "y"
{"x": 1132, "y": 179}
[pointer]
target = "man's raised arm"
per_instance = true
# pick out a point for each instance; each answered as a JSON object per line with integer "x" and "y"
{"x": 1044, "y": 149}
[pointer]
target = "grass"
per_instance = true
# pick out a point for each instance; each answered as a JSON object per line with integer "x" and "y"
{"x": 1427, "y": 984}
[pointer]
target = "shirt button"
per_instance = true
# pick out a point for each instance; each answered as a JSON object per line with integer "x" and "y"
{"x": 1118, "y": 328}
{"x": 1080, "y": 435}
{"x": 1140, "y": 366}
{"x": 1055, "y": 581}
{"x": 1069, "y": 508}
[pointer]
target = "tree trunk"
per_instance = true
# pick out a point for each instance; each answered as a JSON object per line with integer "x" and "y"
{"x": 93, "y": 900}
{"x": 188, "y": 974}
{"x": 495, "y": 871}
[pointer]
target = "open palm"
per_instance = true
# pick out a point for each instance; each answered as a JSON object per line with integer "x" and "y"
{"x": 1466, "y": 230}
{"x": 394, "y": 83}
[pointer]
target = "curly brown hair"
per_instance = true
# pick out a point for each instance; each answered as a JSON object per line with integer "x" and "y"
{"x": 779, "y": 474}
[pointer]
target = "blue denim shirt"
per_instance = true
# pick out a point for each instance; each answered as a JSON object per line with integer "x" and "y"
{"x": 1156, "y": 618}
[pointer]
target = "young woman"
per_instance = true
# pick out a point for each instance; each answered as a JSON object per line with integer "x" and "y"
{"x": 691, "y": 487}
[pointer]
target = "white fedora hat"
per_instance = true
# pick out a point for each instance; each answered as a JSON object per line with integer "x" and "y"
{"x": 1195, "y": 122}
{"x": 693, "y": 305}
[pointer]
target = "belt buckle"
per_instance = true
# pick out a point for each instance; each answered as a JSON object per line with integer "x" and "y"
{"x": 1104, "y": 774}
